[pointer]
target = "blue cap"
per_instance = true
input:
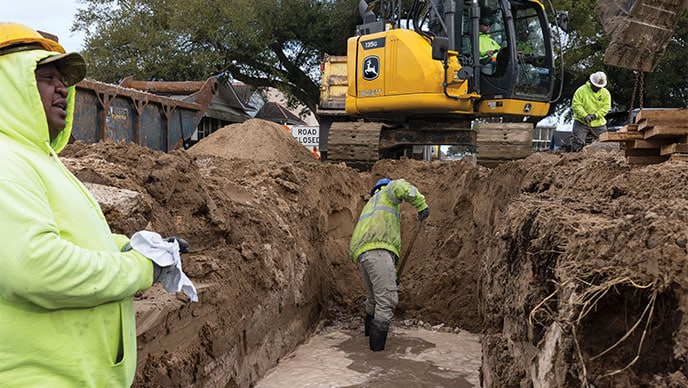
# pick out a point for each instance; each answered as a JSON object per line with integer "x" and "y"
{"x": 380, "y": 183}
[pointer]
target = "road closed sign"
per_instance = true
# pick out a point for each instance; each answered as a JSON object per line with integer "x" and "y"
{"x": 308, "y": 136}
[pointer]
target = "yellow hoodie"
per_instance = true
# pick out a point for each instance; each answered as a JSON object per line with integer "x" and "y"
{"x": 66, "y": 291}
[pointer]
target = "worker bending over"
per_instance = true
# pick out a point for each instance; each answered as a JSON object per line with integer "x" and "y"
{"x": 375, "y": 247}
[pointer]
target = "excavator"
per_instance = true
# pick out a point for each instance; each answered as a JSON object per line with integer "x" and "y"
{"x": 417, "y": 76}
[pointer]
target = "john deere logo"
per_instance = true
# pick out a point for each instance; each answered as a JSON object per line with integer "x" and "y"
{"x": 371, "y": 68}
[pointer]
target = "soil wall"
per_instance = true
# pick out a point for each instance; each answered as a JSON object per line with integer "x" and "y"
{"x": 554, "y": 258}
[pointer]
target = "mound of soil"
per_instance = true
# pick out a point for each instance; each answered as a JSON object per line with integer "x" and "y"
{"x": 569, "y": 265}
{"x": 253, "y": 139}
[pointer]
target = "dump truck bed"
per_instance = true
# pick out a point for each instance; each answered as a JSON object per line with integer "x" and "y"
{"x": 124, "y": 114}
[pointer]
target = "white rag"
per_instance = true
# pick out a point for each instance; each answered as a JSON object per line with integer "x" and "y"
{"x": 165, "y": 254}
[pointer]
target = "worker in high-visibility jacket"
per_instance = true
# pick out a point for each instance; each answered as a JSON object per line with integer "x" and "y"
{"x": 67, "y": 316}
{"x": 590, "y": 103}
{"x": 375, "y": 247}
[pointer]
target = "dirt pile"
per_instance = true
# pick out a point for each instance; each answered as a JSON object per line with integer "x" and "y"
{"x": 553, "y": 259}
{"x": 255, "y": 140}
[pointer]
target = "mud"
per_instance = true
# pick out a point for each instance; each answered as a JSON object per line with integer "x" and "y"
{"x": 339, "y": 357}
{"x": 571, "y": 267}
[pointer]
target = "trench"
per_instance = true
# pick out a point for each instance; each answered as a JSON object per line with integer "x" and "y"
{"x": 510, "y": 255}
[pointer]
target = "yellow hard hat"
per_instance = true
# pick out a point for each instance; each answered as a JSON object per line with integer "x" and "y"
{"x": 18, "y": 37}
{"x": 15, "y": 35}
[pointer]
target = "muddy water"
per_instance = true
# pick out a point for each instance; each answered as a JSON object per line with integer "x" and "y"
{"x": 412, "y": 358}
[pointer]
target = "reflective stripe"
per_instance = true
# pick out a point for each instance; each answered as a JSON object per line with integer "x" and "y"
{"x": 382, "y": 209}
{"x": 390, "y": 195}
{"x": 377, "y": 207}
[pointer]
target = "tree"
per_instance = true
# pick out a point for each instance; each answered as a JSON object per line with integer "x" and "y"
{"x": 262, "y": 43}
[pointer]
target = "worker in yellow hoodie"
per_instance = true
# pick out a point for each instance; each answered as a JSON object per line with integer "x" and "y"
{"x": 375, "y": 246}
{"x": 66, "y": 290}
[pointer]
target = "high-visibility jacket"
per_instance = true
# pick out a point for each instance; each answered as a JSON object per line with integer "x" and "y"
{"x": 67, "y": 314}
{"x": 586, "y": 101}
{"x": 486, "y": 43}
{"x": 379, "y": 224}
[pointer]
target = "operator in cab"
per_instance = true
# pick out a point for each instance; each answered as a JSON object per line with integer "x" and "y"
{"x": 488, "y": 47}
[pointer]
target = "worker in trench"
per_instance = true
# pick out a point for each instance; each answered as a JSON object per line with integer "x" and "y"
{"x": 590, "y": 103}
{"x": 375, "y": 246}
{"x": 67, "y": 289}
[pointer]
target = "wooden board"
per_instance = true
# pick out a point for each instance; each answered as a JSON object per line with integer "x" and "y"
{"x": 648, "y": 143}
{"x": 646, "y": 159}
{"x": 504, "y": 141}
{"x": 643, "y": 124}
{"x": 679, "y": 157}
{"x": 663, "y": 131}
{"x": 621, "y": 136}
{"x": 638, "y": 30}
{"x": 642, "y": 152}
{"x": 629, "y": 128}
{"x": 678, "y": 116}
{"x": 676, "y": 148}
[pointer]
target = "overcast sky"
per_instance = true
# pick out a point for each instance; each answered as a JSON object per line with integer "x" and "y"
{"x": 53, "y": 16}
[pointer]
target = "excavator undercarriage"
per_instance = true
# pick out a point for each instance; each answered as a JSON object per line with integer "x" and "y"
{"x": 360, "y": 144}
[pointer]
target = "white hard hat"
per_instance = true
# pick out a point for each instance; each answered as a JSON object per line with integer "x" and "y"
{"x": 598, "y": 79}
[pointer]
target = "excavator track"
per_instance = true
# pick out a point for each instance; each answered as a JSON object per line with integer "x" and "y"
{"x": 355, "y": 143}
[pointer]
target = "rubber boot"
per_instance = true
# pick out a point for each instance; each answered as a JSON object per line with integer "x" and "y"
{"x": 368, "y": 323}
{"x": 378, "y": 338}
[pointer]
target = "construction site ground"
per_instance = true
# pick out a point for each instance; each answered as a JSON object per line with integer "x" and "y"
{"x": 568, "y": 269}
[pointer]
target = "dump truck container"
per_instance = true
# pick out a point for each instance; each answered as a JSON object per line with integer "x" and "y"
{"x": 133, "y": 112}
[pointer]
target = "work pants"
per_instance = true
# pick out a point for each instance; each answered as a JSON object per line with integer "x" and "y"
{"x": 583, "y": 134}
{"x": 379, "y": 281}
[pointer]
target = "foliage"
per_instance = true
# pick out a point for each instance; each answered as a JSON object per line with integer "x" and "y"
{"x": 259, "y": 42}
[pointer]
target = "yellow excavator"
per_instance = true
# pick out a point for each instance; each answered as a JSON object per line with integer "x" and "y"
{"x": 421, "y": 76}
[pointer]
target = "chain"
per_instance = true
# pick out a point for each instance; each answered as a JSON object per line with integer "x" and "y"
{"x": 635, "y": 87}
{"x": 640, "y": 95}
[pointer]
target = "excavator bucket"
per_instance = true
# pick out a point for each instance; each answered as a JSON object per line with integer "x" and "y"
{"x": 639, "y": 30}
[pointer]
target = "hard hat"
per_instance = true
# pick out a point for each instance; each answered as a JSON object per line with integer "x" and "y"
{"x": 485, "y": 21}
{"x": 598, "y": 79}
{"x": 18, "y": 37}
{"x": 15, "y": 35}
{"x": 380, "y": 183}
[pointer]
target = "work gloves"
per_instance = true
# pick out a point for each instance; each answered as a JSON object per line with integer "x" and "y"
{"x": 159, "y": 272}
{"x": 423, "y": 214}
{"x": 183, "y": 245}
{"x": 589, "y": 118}
{"x": 167, "y": 263}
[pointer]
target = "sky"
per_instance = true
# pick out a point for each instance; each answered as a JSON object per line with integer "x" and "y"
{"x": 53, "y": 16}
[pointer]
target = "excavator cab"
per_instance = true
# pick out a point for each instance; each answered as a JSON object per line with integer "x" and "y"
{"x": 523, "y": 67}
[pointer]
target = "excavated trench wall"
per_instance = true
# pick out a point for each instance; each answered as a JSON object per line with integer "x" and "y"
{"x": 553, "y": 258}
